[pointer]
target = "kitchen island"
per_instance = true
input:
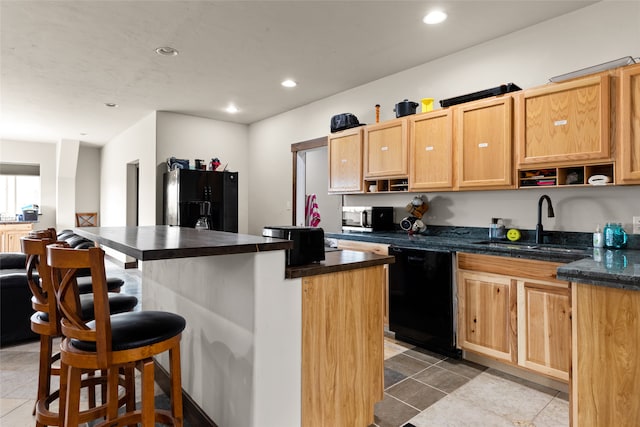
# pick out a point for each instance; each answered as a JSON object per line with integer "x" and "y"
{"x": 263, "y": 343}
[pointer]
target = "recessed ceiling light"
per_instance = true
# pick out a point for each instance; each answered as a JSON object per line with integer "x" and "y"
{"x": 434, "y": 17}
{"x": 110, "y": 105}
{"x": 232, "y": 109}
{"x": 289, "y": 83}
{"x": 166, "y": 51}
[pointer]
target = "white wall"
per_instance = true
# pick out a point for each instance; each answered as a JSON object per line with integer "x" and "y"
{"x": 136, "y": 144}
{"x": 43, "y": 154}
{"x": 88, "y": 180}
{"x": 599, "y": 33}
{"x": 329, "y": 205}
{"x": 189, "y": 137}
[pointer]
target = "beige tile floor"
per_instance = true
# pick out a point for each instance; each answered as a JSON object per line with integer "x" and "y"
{"x": 422, "y": 389}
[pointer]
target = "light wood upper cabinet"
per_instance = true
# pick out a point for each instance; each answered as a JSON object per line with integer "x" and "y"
{"x": 628, "y": 152}
{"x": 345, "y": 161}
{"x": 484, "y": 139}
{"x": 565, "y": 122}
{"x": 487, "y": 315}
{"x": 544, "y": 327}
{"x": 385, "y": 149}
{"x": 431, "y": 151}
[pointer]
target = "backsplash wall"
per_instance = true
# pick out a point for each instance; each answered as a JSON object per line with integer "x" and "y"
{"x": 576, "y": 209}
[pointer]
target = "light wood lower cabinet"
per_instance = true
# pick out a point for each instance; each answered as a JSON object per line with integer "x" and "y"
{"x": 544, "y": 328}
{"x": 515, "y": 311}
{"x": 605, "y": 382}
{"x": 487, "y": 315}
{"x": 376, "y": 248}
{"x": 342, "y": 347}
{"x": 10, "y": 235}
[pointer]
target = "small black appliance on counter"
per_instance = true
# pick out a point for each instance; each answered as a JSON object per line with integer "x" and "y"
{"x": 308, "y": 243}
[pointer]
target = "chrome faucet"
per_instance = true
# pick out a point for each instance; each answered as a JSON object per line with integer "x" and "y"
{"x": 550, "y": 214}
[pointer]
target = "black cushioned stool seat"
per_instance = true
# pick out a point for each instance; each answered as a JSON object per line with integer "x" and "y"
{"x": 118, "y": 303}
{"x": 137, "y": 329}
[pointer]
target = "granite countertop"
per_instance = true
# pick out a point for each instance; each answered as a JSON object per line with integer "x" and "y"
{"x": 156, "y": 242}
{"x": 17, "y": 222}
{"x": 336, "y": 261}
{"x": 615, "y": 268}
{"x": 473, "y": 243}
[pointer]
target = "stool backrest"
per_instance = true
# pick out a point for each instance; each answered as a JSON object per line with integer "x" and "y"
{"x": 65, "y": 263}
{"x": 49, "y": 233}
{"x": 41, "y": 287}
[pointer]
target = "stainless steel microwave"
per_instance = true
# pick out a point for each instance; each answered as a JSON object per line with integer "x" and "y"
{"x": 367, "y": 218}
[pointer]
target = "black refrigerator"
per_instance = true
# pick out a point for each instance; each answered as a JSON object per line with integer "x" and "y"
{"x": 191, "y": 194}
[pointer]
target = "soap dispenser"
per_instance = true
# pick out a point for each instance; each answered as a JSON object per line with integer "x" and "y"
{"x": 597, "y": 237}
{"x": 496, "y": 229}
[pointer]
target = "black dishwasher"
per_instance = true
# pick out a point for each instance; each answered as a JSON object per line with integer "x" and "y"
{"x": 421, "y": 299}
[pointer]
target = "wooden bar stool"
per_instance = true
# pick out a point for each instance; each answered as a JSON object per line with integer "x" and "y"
{"x": 112, "y": 341}
{"x": 46, "y": 322}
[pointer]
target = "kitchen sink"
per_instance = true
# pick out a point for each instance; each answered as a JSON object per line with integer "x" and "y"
{"x": 533, "y": 246}
{"x": 507, "y": 245}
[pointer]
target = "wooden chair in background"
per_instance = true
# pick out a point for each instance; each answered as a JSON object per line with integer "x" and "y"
{"x": 86, "y": 219}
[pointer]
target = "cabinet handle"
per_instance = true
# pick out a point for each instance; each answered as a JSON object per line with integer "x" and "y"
{"x": 344, "y": 160}
{"x": 483, "y": 145}
{"x": 384, "y": 148}
{"x": 560, "y": 123}
{"x": 428, "y": 148}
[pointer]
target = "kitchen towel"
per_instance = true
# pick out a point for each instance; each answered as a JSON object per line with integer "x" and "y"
{"x": 311, "y": 211}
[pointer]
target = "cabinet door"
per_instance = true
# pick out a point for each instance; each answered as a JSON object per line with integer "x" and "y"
{"x": 628, "y": 164}
{"x": 385, "y": 149}
{"x": 484, "y": 140}
{"x": 342, "y": 347}
{"x": 544, "y": 328}
{"x": 376, "y": 248}
{"x": 565, "y": 122}
{"x": 345, "y": 161}
{"x": 10, "y": 236}
{"x": 431, "y": 151}
{"x": 487, "y": 315}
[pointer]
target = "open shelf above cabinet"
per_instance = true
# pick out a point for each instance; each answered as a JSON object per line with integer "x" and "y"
{"x": 386, "y": 185}
{"x": 567, "y": 176}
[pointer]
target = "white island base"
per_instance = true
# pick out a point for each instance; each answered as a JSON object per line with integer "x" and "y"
{"x": 241, "y": 349}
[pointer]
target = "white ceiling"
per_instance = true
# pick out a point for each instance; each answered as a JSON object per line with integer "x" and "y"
{"x": 61, "y": 61}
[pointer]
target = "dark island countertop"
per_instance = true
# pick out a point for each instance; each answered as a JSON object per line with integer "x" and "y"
{"x": 155, "y": 242}
{"x": 336, "y": 261}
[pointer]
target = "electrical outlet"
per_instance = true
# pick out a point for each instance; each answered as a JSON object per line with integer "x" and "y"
{"x": 636, "y": 225}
